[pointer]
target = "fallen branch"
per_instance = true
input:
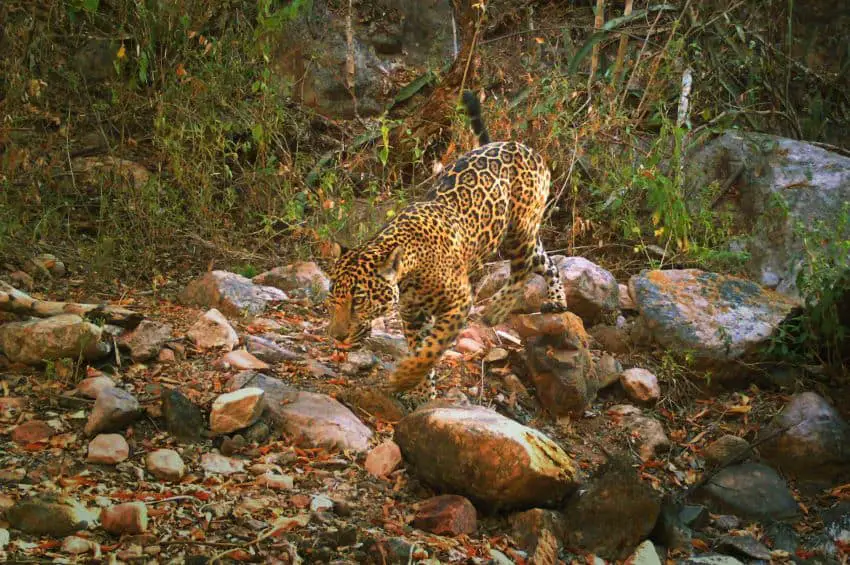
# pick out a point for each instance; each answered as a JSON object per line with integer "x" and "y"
{"x": 13, "y": 300}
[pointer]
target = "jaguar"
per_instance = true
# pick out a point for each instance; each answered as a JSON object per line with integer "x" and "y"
{"x": 491, "y": 199}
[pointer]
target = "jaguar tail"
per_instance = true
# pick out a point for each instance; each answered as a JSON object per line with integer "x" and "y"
{"x": 473, "y": 110}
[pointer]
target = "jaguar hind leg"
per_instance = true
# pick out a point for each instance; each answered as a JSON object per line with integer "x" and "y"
{"x": 556, "y": 298}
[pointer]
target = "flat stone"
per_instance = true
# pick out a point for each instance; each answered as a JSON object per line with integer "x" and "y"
{"x": 715, "y": 318}
{"x": 480, "y": 454}
{"x": 241, "y": 360}
{"x": 33, "y": 431}
{"x": 446, "y": 515}
{"x": 92, "y": 386}
{"x": 751, "y": 491}
{"x": 218, "y": 464}
{"x": 746, "y": 546}
{"x": 50, "y": 516}
{"x": 63, "y": 336}
{"x": 267, "y": 350}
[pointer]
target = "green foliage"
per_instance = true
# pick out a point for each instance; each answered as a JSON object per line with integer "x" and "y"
{"x": 821, "y": 332}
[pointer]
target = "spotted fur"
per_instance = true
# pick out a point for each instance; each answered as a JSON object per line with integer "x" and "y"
{"x": 491, "y": 198}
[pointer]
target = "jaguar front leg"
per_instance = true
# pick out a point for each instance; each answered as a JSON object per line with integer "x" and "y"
{"x": 412, "y": 370}
{"x": 416, "y": 318}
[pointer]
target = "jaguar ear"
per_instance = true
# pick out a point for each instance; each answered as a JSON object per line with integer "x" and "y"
{"x": 389, "y": 268}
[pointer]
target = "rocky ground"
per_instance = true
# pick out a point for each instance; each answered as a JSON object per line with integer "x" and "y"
{"x": 226, "y": 426}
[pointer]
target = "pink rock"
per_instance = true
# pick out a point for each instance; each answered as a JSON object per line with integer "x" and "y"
{"x": 109, "y": 449}
{"x": 383, "y": 459}
{"x": 446, "y": 515}
{"x": 468, "y": 346}
{"x": 165, "y": 465}
{"x": 640, "y": 385}
{"x": 242, "y": 360}
{"x": 213, "y": 330}
{"x": 127, "y": 518}
{"x": 32, "y": 432}
{"x": 92, "y": 386}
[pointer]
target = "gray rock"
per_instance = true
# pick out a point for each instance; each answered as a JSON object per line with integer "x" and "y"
{"x": 113, "y": 411}
{"x": 303, "y": 279}
{"x": 316, "y": 420}
{"x": 232, "y": 294}
{"x": 746, "y": 546}
{"x": 785, "y": 188}
{"x": 66, "y": 335}
{"x": 268, "y": 351}
{"x": 783, "y": 536}
{"x": 50, "y": 515}
{"x": 672, "y": 528}
{"x": 492, "y": 460}
{"x": 613, "y": 514}
{"x": 145, "y": 341}
{"x": 710, "y": 560}
{"x": 183, "y": 419}
{"x": 717, "y": 318}
{"x": 592, "y": 292}
{"x": 725, "y": 449}
{"x": 750, "y": 490}
{"x": 312, "y": 52}
{"x": 816, "y": 443}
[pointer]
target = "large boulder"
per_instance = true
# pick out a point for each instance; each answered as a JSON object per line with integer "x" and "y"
{"x": 809, "y": 439}
{"x": 716, "y": 318}
{"x": 492, "y": 460}
{"x": 65, "y": 335}
{"x": 303, "y": 279}
{"x": 389, "y": 38}
{"x": 785, "y": 189}
{"x": 312, "y": 419}
{"x": 232, "y": 294}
